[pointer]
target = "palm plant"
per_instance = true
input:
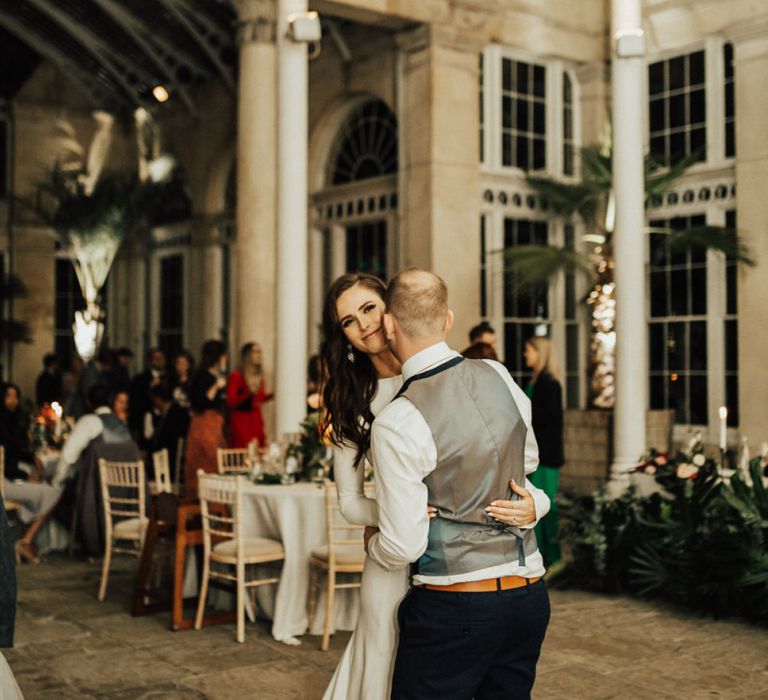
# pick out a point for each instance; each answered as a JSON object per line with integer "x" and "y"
{"x": 592, "y": 202}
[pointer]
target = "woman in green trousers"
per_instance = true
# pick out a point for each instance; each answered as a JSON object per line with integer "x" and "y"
{"x": 546, "y": 396}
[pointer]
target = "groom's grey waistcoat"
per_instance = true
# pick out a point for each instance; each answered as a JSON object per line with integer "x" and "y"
{"x": 480, "y": 439}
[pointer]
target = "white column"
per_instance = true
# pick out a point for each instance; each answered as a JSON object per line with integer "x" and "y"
{"x": 292, "y": 285}
{"x": 631, "y": 345}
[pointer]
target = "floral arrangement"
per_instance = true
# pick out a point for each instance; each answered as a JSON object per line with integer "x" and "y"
{"x": 686, "y": 464}
{"x": 314, "y": 444}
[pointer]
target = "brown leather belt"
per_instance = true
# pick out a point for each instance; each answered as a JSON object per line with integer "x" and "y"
{"x": 487, "y": 585}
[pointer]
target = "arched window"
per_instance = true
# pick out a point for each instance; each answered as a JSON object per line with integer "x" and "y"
{"x": 366, "y": 146}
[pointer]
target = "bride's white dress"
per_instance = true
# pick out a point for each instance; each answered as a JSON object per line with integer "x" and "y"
{"x": 365, "y": 670}
{"x": 9, "y": 689}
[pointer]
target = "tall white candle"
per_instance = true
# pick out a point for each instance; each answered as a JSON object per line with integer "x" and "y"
{"x": 723, "y": 428}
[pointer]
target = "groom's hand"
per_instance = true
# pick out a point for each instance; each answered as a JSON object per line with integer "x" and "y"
{"x": 370, "y": 531}
{"x": 515, "y": 513}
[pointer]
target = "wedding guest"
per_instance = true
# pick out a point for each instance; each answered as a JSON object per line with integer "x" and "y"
{"x": 182, "y": 370}
{"x": 96, "y": 372}
{"x": 24, "y": 474}
{"x": 483, "y": 332}
{"x": 139, "y": 390}
{"x": 164, "y": 425}
{"x": 480, "y": 351}
{"x": 208, "y": 401}
{"x": 73, "y": 405}
{"x": 48, "y": 387}
{"x": 120, "y": 406}
{"x": 546, "y": 396}
{"x": 245, "y": 395}
{"x": 95, "y": 435}
{"x": 120, "y": 379}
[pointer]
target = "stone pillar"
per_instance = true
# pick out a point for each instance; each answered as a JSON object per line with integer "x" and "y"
{"x": 751, "y": 73}
{"x": 292, "y": 263}
{"x": 594, "y": 89}
{"x": 438, "y": 118}
{"x": 255, "y": 245}
{"x": 631, "y": 332}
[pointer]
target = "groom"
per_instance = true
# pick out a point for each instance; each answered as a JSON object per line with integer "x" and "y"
{"x": 455, "y": 435}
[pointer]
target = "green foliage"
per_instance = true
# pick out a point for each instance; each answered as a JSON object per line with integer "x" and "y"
{"x": 717, "y": 238}
{"x": 700, "y": 542}
{"x": 529, "y": 266}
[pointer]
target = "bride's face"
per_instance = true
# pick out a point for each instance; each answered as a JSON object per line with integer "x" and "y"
{"x": 360, "y": 312}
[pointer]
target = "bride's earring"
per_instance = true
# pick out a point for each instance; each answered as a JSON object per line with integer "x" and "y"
{"x": 350, "y": 354}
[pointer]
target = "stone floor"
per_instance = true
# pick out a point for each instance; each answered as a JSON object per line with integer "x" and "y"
{"x": 70, "y": 646}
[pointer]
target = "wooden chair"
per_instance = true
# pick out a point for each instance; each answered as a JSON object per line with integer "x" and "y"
{"x": 344, "y": 554}
{"x": 179, "y": 465}
{"x": 224, "y": 542}
{"x": 162, "y": 472}
{"x": 123, "y": 495}
{"x": 9, "y": 505}
{"x": 231, "y": 460}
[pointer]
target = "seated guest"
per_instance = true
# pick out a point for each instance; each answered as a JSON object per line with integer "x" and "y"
{"x": 48, "y": 387}
{"x": 120, "y": 406}
{"x": 99, "y": 434}
{"x": 24, "y": 474}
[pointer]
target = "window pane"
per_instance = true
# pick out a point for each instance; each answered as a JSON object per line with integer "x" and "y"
{"x": 677, "y": 73}
{"x": 698, "y": 400}
{"x": 698, "y": 107}
{"x": 539, "y": 86}
{"x": 731, "y": 346}
{"x": 656, "y": 115}
{"x": 506, "y": 112}
{"x": 656, "y": 346}
{"x": 696, "y": 68}
{"x": 656, "y": 78}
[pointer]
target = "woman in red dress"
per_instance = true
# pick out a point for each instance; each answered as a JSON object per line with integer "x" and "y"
{"x": 245, "y": 395}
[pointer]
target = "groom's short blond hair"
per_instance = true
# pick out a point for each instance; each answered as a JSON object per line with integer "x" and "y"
{"x": 418, "y": 300}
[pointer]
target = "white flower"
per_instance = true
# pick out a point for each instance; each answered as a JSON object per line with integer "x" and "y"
{"x": 686, "y": 471}
{"x": 650, "y": 469}
{"x": 699, "y": 460}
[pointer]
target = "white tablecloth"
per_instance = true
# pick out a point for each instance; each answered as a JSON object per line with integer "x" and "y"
{"x": 295, "y": 515}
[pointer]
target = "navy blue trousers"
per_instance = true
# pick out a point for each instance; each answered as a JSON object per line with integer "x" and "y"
{"x": 459, "y": 646}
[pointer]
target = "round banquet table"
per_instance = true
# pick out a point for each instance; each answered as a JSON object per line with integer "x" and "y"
{"x": 294, "y": 515}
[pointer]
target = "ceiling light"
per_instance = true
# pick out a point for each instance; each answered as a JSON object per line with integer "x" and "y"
{"x": 160, "y": 93}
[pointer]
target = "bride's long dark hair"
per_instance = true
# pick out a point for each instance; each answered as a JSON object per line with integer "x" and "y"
{"x": 351, "y": 383}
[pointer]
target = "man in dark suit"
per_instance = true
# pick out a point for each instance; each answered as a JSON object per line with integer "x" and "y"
{"x": 139, "y": 397}
{"x": 48, "y": 386}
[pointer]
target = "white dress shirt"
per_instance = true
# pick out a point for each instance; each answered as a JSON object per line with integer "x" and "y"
{"x": 404, "y": 453}
{"x": 87, "y": 429}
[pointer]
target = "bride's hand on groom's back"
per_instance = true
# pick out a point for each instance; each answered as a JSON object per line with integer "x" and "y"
{"x": 521, "y": 512}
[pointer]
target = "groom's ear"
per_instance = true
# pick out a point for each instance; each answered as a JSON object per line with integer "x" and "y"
{"x": 449, "y": 321}
{"x": 389, "y": 326}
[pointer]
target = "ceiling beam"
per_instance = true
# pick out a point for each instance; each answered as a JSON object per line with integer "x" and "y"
{"x": 202, "y": 28}
{"x": 83, "y": 80}
{"x": 159, "y": 55}
{"x": 103, "y": 52}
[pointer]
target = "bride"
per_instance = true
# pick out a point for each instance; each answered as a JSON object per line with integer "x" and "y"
{"x": 363, "y": 377}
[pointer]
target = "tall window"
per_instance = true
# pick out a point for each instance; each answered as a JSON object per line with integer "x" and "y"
{"x": 482, "y": 109}
{"x": 483, "y": 269}
{"x": 730, "y": 102}
{"x": 678, "y": 324}
{"x": 526, "y": 312}
{"x": 568, "y": 137}
{"x": 677, "y": 109}
{"x": 170, "y": 333}
{"x": 523, "y": 111}
{"x": 367, "y": 248}
{"x": 731, "y": 332}
{"x": 4, "y": 156}
{"x": 68, "y": 299}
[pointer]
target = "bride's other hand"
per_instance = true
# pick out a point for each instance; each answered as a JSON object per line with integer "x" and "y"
{"x": 369, "y": 532}
{"x": 516, "y": 513}
{"x": 431, "y": 512}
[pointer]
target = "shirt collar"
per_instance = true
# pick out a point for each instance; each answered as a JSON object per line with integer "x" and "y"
{"x": 434, "y": 355}
{"x": 101, "y": 410}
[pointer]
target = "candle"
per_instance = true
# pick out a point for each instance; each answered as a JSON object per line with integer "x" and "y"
{"x": 723, "y": 428}
{"x": 57, "y": 409}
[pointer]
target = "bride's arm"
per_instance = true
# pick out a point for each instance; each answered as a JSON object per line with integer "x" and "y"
{"x": 356, "y": 508}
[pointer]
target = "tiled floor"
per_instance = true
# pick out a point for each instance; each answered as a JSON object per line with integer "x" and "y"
{"x": 70, "y": 646}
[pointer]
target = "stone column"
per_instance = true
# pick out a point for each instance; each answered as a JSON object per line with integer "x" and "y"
{"x": 751, "y": 74}
{"x": 255, "y": 245}
{"x": 438, "y": 118}
{"x": 292, "y": 285}
{"x": 631, "y": 332}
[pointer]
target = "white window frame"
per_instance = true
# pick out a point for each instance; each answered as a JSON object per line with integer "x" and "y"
{"x": 715, "y": 213}
{"x": 714, "y": 81}
{"x": 553, "y": 97}
{"x": 165, "y": 246}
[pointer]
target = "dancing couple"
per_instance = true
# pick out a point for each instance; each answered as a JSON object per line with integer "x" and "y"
{"x": 451, "y": 443}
